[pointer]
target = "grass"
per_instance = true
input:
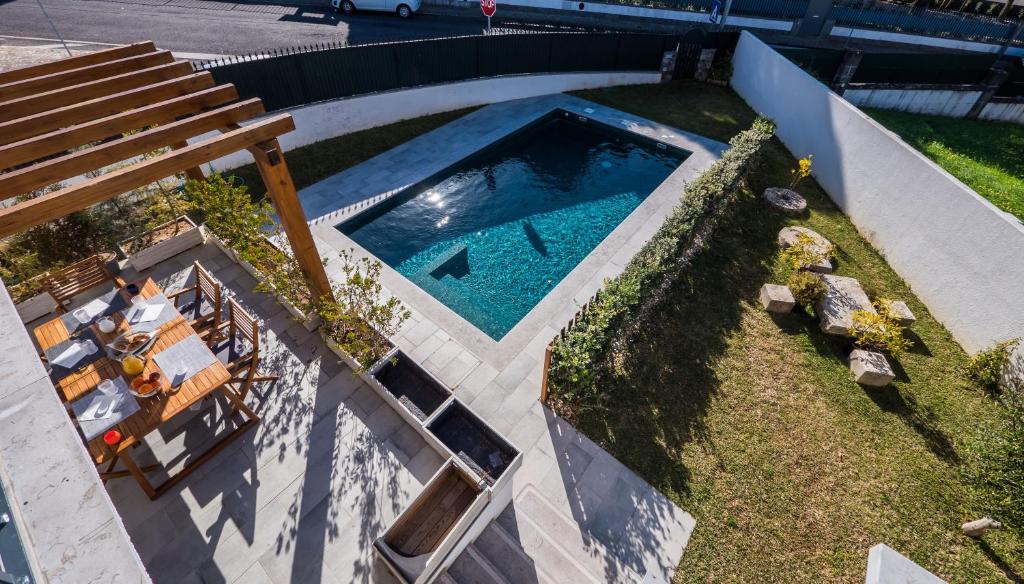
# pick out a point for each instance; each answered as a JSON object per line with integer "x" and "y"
{"x": 986, "y": 156}
{"x": 313, "y": 163}
{"x": 754, "y": 425}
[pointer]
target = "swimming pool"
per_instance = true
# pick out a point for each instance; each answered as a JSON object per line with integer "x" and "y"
{"x": 490, "y": 236}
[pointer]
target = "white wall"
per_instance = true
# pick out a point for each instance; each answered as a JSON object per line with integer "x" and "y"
{"x": 960, "y": 254}
{"x": 1004, "y": 112}
{"x": 939, "y": 102}
{"x": 643, "y": 12}
{"x": 915, "y": 39}
{"x": 320, "y": 121}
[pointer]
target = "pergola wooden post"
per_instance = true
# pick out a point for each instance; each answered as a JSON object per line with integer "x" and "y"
{"x": 63, "y": 119}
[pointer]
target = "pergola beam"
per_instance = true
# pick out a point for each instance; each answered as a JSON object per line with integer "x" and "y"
{"x": 77, "y": 62}
{"x": 41, "y": 102}
{"x": 161, "y": 112}
{"x": 55, "y": 205}
{"x": 18, "y": 89}
{"x": 33, "y": 125}
{"x": 76, "y": 163}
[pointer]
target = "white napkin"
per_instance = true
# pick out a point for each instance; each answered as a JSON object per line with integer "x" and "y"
{"x": 73, "y": 354}
{"x": 145, "y": 313}
{"x": 103, "y": 406}
{"x": 95, "y": 308}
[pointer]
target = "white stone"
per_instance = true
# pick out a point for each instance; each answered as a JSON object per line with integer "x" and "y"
{"x": 786, "y": 200}
{"x": 871, "y": 368}
{"x": 842, "y": 296}
{"x": 790, "y": 235}
{"x": 777, "y": 299}
{"x": 899, "y": 310}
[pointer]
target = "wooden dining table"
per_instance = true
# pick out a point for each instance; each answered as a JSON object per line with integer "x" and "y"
{"x": 154, "y": 411}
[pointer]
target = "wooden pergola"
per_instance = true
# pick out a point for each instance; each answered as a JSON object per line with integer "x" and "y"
{"x": 62, "y": 119}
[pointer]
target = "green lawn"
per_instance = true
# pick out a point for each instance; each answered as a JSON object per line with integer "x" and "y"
{"x": 755, "y": 426}
{"x": 986, "y": 156}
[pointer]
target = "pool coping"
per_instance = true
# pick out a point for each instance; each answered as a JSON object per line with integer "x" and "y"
{"x": 338, "y": 198}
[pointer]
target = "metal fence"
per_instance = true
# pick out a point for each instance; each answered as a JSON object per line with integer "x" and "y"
{"x": 304, "y": 75}
{"x": 896, "y": 68}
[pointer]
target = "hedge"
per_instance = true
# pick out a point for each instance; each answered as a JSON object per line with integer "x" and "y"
{"x": 626, "y": 301}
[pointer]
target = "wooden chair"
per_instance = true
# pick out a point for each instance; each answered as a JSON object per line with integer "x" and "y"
{"x": 202, "y": 309}
{"x": 66, "y": 283}
{"x": 239, "y": 348}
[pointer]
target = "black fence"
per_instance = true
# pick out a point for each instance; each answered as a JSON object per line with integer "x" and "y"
{"x": 299, "y": 76}
{"x": 895, "y": 68}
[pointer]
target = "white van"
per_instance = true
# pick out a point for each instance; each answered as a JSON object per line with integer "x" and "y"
{"x": 403, "y": 8}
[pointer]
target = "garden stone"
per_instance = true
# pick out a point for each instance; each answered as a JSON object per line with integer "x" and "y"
{"x": 842, "y": 296}
{"x": 871, "y": 368}
{"x": 777, "y": 299}
{"x": 785, "y": 200}
{"x": 790, "y": 235}
{"x": 899, "y": 310}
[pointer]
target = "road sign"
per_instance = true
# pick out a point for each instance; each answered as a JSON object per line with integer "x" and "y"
{"x": 713, "y": 16}
{"x": 488, "y": 7}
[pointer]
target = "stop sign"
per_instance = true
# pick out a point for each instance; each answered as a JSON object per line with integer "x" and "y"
{"x": 488, "y": 7}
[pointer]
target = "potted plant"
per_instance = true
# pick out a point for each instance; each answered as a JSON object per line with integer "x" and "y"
{"x": 164, "y": 241}
{"x": 358, "y": 324}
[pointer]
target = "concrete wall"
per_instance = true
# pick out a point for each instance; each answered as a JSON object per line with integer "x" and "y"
{"x": 1004, "y": 112}
{"x": 960, "y": 254}
{"x": 71, "y": 532}
{"x": 320, "y": 121}
{"x": 915, "y": 39}
{"x": 940, "y": 102}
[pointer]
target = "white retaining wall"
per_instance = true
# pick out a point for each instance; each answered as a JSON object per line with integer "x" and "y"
{"x": 1004, "y": 112}
{"x": 960, "y": 254}
{"x": 328, "y": 119}
{"x": 940, "y": 102}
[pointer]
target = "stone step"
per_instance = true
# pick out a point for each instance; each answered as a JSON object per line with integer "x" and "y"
{"x": 507, "y": 555}
{"x": 555, "y": 543}
{"x": 472, "y": 568}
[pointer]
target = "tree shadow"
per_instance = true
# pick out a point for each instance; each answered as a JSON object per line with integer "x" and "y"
{"x": 920, "y": 418}
{"x": 1000, "y": 563}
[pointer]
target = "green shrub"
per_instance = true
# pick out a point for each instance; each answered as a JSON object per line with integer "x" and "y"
{"x": 986, "y": 368}
{"x": 878, "y": 332}
{"x": 358, "y": 320}
{"x": 995, "y": 462}
{"x": 625, "y": 301}
{"x": 805, "y": 252}
{"x": 807, "y": 287}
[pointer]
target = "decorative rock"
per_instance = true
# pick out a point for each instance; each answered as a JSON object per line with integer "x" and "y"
{"x": 786, "y": 200}
{"x": 842, "y": 296}
{"x": 977, "y": 527}
{"x": 870, "y": 368}
{"x": 777, "y": 299}
{"x": 790, "y": 235}
{"x": 822, "y": 267}
{"x": 901, "y": 312}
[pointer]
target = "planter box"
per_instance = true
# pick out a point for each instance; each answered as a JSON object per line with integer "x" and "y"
{"x": 35, "y": 307}
{"x": 165, "y": 248}
{"x": 309, "y": 322}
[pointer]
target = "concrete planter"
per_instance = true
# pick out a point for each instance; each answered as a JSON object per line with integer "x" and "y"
{"x": 310, "y": 322}
{"x": 35, "y": 307}
{"x": 165, "y": 248}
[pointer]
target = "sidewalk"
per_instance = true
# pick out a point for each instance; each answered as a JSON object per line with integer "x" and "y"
{"x": 16, "y": 52}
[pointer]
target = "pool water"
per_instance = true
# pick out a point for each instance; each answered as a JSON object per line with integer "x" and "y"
{"x": 492, "y": 235}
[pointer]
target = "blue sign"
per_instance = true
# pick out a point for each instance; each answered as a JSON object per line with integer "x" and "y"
{"x": 716, "y": 12}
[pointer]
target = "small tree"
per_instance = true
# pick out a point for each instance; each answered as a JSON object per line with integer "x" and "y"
{"x": 361, "y": 319}
{"x": 229, "y": 211}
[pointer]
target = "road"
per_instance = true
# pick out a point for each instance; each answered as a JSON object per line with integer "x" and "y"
{"x": 211, "y": 26}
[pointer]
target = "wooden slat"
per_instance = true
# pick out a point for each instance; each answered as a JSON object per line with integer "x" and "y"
{"x": 53, "y": 81}
{"x": 48, "y": 100}
{"x": 158, "y": 113}
{"x": 57, "y": 169}
{"x": 78, "y": 113}
{"x": 54, "y": 205}
{"x": 76, "y": 62}
{"x": 274, "y": 171}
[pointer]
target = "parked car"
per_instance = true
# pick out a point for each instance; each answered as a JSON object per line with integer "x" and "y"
{"x": 403, "y": 8}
